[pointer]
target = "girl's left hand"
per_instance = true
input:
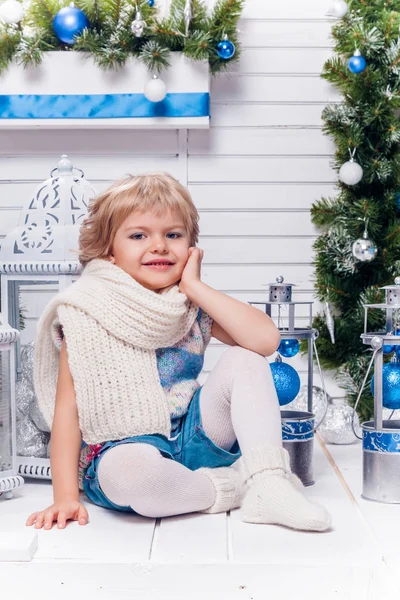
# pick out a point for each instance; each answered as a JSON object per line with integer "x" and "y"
{"x": 192, "y": 271}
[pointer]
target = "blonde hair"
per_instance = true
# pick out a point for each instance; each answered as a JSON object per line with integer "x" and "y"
{"x": 155, "y": 192}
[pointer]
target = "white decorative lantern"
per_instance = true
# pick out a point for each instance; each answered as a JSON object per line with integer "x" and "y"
{"x": 9, "y": 480}
{"x": 43, "y": 249}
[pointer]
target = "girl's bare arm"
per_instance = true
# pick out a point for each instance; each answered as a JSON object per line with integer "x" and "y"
{"x": 66, "y": 436}
{"x": 65, "y": 447}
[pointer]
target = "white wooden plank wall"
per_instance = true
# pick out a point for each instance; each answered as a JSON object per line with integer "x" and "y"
{"x": 253, "y": 175}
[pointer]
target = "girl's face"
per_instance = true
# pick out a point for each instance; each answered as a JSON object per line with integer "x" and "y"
{"x": 153, "y": 249}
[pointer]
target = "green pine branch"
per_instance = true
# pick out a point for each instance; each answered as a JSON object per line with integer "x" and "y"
{"x": 110, "y": 41}
{"x": 155, "y": 56}
{"x": 9, "y": 40}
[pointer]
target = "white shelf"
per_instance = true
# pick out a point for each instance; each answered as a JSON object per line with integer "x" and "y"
{"x": 68, "y": 91}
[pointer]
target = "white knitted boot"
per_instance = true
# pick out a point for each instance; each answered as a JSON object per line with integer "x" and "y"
{"x": 274, "y": 494}
{"x": 229, "y": 487}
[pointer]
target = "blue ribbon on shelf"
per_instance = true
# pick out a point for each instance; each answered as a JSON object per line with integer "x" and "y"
{"x": 102, "y": 106}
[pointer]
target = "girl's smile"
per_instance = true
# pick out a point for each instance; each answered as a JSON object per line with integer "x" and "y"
{"x": 153, "y": 248}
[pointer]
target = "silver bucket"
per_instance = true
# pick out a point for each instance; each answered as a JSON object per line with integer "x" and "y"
{"x": 298, "y": 439}
{"x": 381, "y": 462}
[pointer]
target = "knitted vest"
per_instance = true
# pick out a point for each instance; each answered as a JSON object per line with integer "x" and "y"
{"x": 179, "y": 366}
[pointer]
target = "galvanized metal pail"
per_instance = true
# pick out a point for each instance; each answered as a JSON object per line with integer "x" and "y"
{"x": 298, "y": 439}
{"x": 381, "y": 462}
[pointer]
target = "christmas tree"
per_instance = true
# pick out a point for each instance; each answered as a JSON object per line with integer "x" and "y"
{"x": 365, "y": 127}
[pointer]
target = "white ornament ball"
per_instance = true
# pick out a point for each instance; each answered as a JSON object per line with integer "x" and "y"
{"x": 350, "y": 173}
{"x": 11, "y": 12}
{"x": 338, "y": 9}
{"x": 155, "y": 90}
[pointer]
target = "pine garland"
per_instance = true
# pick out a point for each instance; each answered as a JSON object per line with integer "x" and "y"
{"x": 110, "y": 41}
{"x": 367, "y": 120}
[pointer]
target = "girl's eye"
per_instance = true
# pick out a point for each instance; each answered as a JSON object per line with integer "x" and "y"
{"x": 174, "y": 236}
{"x": 136, "y": 236}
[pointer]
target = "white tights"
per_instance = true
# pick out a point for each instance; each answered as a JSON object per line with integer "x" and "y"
{"x": 238, "y": 401}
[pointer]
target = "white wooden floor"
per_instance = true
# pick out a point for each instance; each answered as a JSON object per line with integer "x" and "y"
{"x": 214, "y": 556}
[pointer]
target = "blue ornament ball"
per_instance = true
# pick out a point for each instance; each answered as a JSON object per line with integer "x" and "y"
{"x": 390, "y": 385}
{"x": 150, "y": 3}
{"x": 387, "y": 349}
{"x": 226, "y": 49}
{"x": 357, "y": 63}
{"x": 69, "y": 22}
{"x": 289, "y": 348}
{"x": 286, "y": 380}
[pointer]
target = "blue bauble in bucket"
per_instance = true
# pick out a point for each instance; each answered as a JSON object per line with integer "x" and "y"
{"x": 286, "y": 380}
{"x": 386, "y": 349}
{"x": 69, "y": 22}
{"x": 289, "y": 348}
{"x": 390, "y": 385}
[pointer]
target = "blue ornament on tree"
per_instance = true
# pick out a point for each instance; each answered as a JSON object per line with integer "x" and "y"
{"x": 69, "y": 22}
{"x": 289, "y": 348}
{"x": 286, "y": 380}
{"x": 390, "y": 385}
{"x": 150, "y": 3}
{"x": 357, "y": 63}
{"x": 226, "y": 49}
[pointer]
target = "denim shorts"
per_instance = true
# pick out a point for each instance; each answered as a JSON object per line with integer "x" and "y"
{"x": 188, "y": 445}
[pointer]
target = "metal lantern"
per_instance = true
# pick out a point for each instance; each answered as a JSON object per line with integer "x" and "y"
{"x": 381, "y": 438}
{"x": 9, "y": 480}
{"x": 297, "y": 426}
{"x": 42, "y": 250}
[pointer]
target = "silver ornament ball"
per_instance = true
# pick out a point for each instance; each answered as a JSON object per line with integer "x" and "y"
{"x": 376, "y": 342}
{"x": 138, "y": 25}
{"x": 364, "y": 249}
{"x": 336, "y": 428}
{"x": 318, "y": 399}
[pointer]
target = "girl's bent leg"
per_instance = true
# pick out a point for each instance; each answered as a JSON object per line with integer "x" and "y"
{"x": 137, "y": 475}
{"x": 239, "y": 401}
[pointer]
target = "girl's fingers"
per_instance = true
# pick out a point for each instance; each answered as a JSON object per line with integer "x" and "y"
{"x": 62, "y": 520}
{"x": 31, "y": 519}
{"x": 83, "y": 516}
{"x": 48, "y": 519}
{"x": 39, "y": 521}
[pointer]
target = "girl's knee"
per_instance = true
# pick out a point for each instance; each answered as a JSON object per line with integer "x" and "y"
{"x": 129, "y": 455}
{"x": 242, "y": 358}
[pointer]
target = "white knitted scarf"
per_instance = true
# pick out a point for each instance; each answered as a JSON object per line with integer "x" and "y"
{"x": 112, "y": 326}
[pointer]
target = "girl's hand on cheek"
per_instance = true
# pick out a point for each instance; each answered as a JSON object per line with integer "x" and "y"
{"x": 191, "y": 274}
